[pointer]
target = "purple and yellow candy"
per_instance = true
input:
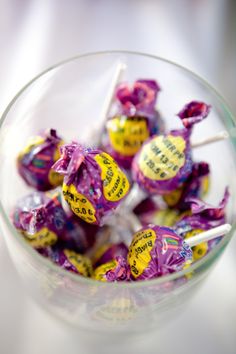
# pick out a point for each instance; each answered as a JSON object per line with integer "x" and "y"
{"x": 71, "y": 261}
{"x": 164, "y": 162}
{"x": 42, "y": 220}
{"x": 109, "y": 251}
{"x": 203, "y": 217}
{"x": 156, "y": 251}
{"x": 94, "y": 185}
{"x": 35, "y": 161}
{"x": 134, "y": 121}
{"x": 196, "y": 185}
{"x": 114, "y": 270}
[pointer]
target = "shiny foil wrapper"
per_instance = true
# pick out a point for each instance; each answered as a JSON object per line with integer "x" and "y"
{"x": 93, "y": 185}
{"x": 35, "y": 161}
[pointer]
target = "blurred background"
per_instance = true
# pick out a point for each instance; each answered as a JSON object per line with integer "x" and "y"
{"x": 199, "y": 34}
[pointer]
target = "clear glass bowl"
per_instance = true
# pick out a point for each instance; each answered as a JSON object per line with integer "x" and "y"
{"x": 70, "y": 97}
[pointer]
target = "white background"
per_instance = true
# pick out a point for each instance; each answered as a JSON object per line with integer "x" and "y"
{"x": 197, "y": 34}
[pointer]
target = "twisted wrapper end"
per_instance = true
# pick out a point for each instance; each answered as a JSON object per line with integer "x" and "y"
{"x": 207, "y": 210}
{"x": 193, "y": 112}
{"x": 139, "y": 99}
{"x": 72, "y": 156}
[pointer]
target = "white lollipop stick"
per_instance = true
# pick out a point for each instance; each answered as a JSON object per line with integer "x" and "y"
{"x": 208, "y": 235}
{"x": 121, "y": 67}
{"x": 218, "y": 137}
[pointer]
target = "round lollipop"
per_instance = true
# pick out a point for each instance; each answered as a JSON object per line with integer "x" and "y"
{"x": 93, "y": 183}
{"x": 164, "y": 162}
{"x": 156, "y": 251}
{"x": 134, "y": 120}
{"x": 203, "y": 217}
{"x": 114, "y": 270}
{"x": 35, "y": 161}
{"x": 196, "y": 185}
{"x": 42, "y": 220}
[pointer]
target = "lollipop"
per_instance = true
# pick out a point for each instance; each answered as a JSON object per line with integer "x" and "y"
{"x": 114, "y": 270}
{"x": 93, "y": 184}
{"x": 204, "y": 217}
{"x": 42, "y": 220}
{"x": 156, "y": 251}
{"x": 164, "y": 162}
{"x": 72, "y": 261}
{"x": 35, "y": 161}
{"x": 135, "y": 119}
{"x": 196, "y": 185}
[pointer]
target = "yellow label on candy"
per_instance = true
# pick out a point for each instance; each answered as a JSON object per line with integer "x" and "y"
{"x": 205, "y": 185}
{"x": 162, "y": 158}
{"x": 173, "y": 197}
{"x": 100, "y": 252}
{"x": 32, "y": 143}
{"x": 200, "y": 250}
{"x": 127, "y": 134}
{"x": 100, "y": 272}
{"x": 139, "y": 251}
{"x": 42, "y": 238}
{"x": 55, "y": 179}
{"x": 79, "y": 204}
{"x": 115, "y": 182}
{"x": 81, "y": 263}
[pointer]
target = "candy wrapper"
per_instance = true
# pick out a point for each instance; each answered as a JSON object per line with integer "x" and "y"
{"x": 107, "y": 252}
{"x": 196, "y": 185}
{"x": 93, "y": 184}
{"x": 72, "y": 261}
{"x": 115, "y": 270}
{"x": 42, "y": 220}
{"x": 35, "y": 161}
{"x": 164, "y": 162}
{"x": 156, "y": 251}
{"x": 134, "y": 121}
{"x": 204, "y": 217}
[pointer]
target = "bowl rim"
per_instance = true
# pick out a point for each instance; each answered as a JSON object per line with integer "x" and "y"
{"x": 89, "y": 281}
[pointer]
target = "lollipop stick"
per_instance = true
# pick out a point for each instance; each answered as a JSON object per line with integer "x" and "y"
{"x": 218, "y": 137}
{"x": 208, "y": 235}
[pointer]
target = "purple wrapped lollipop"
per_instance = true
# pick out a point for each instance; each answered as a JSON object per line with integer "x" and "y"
{"x": 196, "y": 185}
{"x": 164, "y": 162}
{"x": 156, "y": 251}
{"x": 114, "y": 270}
{"x": 93, "y": 183}
{"x": 134, "y": 121}
{"x": 42, "y": 220}
{"x": 204, "y": 217}
{"x": 108, "y": 252}
{"x": 35, "y": 161}
{"x": 72, "y": 261}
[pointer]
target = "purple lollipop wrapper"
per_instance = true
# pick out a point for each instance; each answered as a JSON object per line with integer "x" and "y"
{"x": 42, "y": 220}
{"x": 35, "y": 161}
{"x": 71, "y": 261}
{"x": 156, "y": 251}
{"x": 164, "y": 162}
{"x": 134, "y": 120}
{"x": 204, "y": 217}
{"x": 94, "y": 185}
{"x": 114, "y": 270}
{"x": 107, "y": 252}
{"x": 196, "y": 185}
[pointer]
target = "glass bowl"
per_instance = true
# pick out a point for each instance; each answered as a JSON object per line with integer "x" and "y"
{"x": 70, "y": 97}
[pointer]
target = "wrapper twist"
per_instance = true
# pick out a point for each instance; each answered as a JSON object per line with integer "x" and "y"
{"x": 114, "y": 270}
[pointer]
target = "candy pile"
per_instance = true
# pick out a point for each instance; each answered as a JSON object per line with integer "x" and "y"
{"x": 77, "y": 214}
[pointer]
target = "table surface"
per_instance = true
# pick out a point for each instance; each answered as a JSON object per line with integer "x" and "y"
{"x": 40, "y": 33}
